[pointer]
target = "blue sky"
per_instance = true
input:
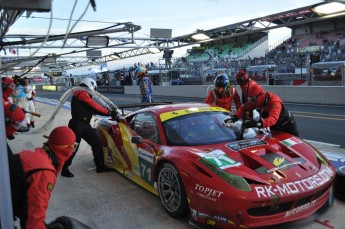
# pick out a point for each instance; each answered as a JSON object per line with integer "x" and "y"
{"x": 182, "y": 16}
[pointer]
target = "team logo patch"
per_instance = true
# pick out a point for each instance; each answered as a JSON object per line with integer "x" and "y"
{"x": 50, "y": 186}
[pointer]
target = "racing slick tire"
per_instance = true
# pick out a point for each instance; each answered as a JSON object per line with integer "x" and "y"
{"x": 339, "y": 184}
{"x": 171, "y": 191}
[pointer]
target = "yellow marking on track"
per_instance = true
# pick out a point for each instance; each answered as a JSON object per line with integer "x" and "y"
{"x": 318, "y": 117}
{"x": 311, "y": 113}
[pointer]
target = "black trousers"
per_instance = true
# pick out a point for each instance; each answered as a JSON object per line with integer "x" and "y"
{"x": 289, "y": 127}
{"x": 84, "y": 131}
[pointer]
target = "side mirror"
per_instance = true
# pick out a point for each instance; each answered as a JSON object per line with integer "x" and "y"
{"x": 137, "y": 139}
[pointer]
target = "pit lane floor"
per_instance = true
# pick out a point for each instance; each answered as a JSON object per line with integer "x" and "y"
{"x": 109, "y": 200}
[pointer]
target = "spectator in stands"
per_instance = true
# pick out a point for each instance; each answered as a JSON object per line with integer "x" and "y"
{"x": 271, "y": 109}
{"x": 223, "y": 94}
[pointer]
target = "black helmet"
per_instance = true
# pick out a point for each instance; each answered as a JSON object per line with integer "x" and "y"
{"x": 221, "y": 81}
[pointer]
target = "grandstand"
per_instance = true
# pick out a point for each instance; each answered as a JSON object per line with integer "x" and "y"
{"x": 293, "y": 58}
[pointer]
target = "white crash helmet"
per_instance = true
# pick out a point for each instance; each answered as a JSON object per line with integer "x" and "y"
{"x": 90, "y": 83}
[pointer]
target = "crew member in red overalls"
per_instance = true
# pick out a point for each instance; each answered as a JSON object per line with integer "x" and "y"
{"x": 33, "y": 177}
{"x": 272, "y": 111}
{"x": 83, "y": 107}
{"x": 14, "y": 115}
{"x": 223, "y": 94}
{"x": 244, "y": 81}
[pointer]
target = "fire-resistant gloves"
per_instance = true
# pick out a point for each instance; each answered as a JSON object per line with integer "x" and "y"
{"x": 249, "y": 123}
{"x": 115, "y": 114}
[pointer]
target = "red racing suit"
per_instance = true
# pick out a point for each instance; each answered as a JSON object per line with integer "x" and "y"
{"x": 83, "y": 107}
{"x": 38, "y": 185}
{"x": 224, "y": 100}
{"x": 14, "y": 117}
{"x": 272, "y": 112}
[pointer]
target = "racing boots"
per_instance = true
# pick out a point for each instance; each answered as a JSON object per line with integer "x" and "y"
{"x": 66, "y": 173}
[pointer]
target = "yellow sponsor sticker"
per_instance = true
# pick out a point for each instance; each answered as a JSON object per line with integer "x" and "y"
{"x": 173, "y": 114}
{"x": 50, "y": 186}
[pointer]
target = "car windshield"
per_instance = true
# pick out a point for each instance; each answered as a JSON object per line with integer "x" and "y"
{"x": 198, "y": 129}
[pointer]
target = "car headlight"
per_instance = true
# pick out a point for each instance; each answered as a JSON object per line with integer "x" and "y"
{"x": 236, "y": 181}
{"x": 321, "y": 159}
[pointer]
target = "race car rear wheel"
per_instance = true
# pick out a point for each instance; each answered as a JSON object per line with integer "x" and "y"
{"x": 339, "y": 184}
{"x": 171, "y": 191}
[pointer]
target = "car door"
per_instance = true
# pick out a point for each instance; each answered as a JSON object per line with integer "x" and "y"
{"x": 145, "y": 125}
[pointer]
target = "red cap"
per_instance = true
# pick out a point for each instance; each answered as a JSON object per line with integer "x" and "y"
{"x": 241, "y": 77}
{"x": 254, "y": 89}
{"x": 7, "y": 81}
{"x": 61, "y": 136}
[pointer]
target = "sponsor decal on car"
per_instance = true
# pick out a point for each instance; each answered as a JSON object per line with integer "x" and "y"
{"x": 145, "y": 155}
{"x": 173, "y": 114}
{"x": 236, "y": 146}
{"x": 219, "y": 159}
{"x": 291, "y": 141}
{"x": 285, "y": 166}
{"x": 280, "y": 162}
{"x": 300, "y": 208}
{"x": 208, "y": 193}
{"x": 295, "y": 187}
{"x": 196, "y": 214}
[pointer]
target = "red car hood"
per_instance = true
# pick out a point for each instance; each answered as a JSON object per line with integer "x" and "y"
{"x": 258, "y": 159}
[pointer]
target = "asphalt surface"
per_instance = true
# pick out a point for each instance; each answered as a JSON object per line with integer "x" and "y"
{"x": 109, "y": 200}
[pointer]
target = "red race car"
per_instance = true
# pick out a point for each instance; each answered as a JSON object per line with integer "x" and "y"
{"x": 199, "y": 168}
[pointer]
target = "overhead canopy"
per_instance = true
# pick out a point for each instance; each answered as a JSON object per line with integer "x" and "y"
{"x": 329, "y": 65}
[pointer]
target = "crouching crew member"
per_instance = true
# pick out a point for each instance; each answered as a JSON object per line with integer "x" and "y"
{"x": 272, "y": 111}
{"x": 33, "y": 177}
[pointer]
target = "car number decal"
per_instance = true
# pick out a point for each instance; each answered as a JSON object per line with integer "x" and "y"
{"x": 173, "y": 114}
{"x": 219, "y": 159}
{"x": 145, "y": 162}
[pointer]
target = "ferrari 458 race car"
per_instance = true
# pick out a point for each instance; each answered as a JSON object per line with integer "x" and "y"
{"x": 199, "y": 168}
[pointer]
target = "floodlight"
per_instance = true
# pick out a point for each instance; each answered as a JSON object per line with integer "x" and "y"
{"x": 329, "y": 8}
{"x": 154, "y": 50}
{"x": 115, "y": 56}
{"x": 97, "y": 41}
{"x": 200, "y": 37}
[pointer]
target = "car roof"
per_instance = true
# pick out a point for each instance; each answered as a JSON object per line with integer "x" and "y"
{"x": 173, "y": 107}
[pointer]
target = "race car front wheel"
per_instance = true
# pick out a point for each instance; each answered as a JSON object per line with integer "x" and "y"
{"x": 171, "y": 191}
